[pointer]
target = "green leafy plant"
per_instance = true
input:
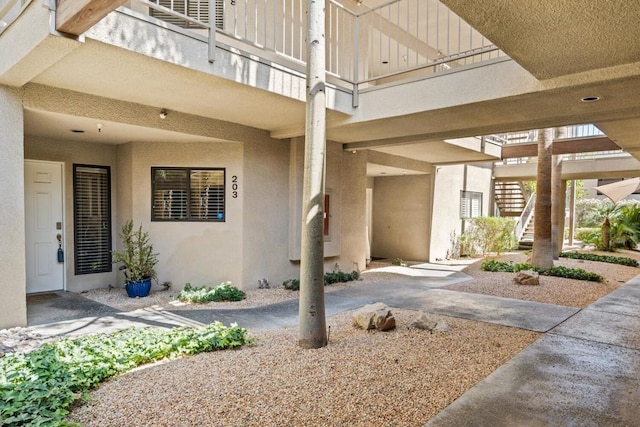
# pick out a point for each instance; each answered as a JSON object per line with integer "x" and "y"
{"x": 601, "y": 258}
{"x": 489, "y": 234}
{"x": 329, "y": 279}
{"x": 340, "y": 277}
{"x": 137, "y": 256}
{"x": 399, "y": 261}
{"x": 292, "y": 284}
{"x": 558, "y": 271}
{"x": 223, "y": 292}
{"x": 39, "y": 387}
{"x": 589, "y": 236}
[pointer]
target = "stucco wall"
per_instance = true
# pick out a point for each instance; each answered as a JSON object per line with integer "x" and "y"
{"x": 263, "y": 187}
{"x": 13, "y": 306}
{"x": 446, "y": 222}
{"x": 70, "y": 153}
{"x": 333, "y": 186}
{"x": 401, "y": 206}
{"x": 200, "y": 253}
{"x": 354, "y": 183}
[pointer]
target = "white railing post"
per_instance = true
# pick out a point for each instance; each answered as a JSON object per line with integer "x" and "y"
{"x": 212, "y": 31}
{"x": 356, "y": 61}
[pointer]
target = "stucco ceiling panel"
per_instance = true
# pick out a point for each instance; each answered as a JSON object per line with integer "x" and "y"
{"x": 556, "y": 38}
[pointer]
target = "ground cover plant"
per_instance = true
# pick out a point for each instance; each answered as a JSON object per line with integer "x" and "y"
{"x": 39, "y": 387}
{"x": 223, "y": 292}
{"x": 329, "y": 279}
{"x": 558, "y": 271}
{"x": 601, "y": 258}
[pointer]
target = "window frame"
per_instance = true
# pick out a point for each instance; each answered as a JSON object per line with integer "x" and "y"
{"x": 108, "y": 267}
{"x": 471, "y": 196}
{"x": 188, "y": 170}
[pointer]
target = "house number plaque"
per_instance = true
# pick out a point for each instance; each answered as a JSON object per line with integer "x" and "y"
{"x": 234, "y": 186}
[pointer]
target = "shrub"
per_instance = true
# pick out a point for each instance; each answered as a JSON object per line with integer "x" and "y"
{"x": 590, "y": 236}
{"x": 223, "y": 292}
{"x": 329, "y": 279}
{"x": 558, "y": 271}
{"x": 38, "y": 388}
{"x": 340, "y": 277}
{"x": 489, "y": 234}
{"x": 399, "y": 261}
{"x": 601, "y": 258}
{"x": 292, "y": 284}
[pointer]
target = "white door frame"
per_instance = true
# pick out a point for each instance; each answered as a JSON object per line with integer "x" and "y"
{"x": 64, "y": 222}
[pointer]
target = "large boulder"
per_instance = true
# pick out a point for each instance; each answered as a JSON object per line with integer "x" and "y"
{"x": 374, "y": 316}
{"x": 527, "y": 277}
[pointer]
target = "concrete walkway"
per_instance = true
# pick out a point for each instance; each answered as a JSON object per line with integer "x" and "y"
{"x": 584, "y": 371}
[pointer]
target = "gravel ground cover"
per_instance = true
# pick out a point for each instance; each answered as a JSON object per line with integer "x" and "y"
{"x": 552, "y": 290}
{"x": 399, "y": 378}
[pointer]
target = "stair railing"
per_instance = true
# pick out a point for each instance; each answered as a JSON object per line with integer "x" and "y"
{"x": 525, "y": 217}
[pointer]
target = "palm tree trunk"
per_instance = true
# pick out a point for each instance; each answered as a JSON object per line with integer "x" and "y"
{"x": 557, "y": 200}
{"x": 312, "y": 332}
{"x": 542, "y": 254}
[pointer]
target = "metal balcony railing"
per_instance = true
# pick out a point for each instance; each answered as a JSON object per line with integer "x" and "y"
{"x": 364, "y": 46}
{"x": 10, "y": 10}
{"x": 576, "y": 131}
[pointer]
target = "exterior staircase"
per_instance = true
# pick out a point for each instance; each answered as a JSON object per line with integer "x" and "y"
{"x": 509, "y": 198}
{"x": 526, "y": 240}
{"x": 512, "y": 202}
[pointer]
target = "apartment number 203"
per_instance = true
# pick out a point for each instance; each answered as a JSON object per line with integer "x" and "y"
{"x": 234, "y": 186}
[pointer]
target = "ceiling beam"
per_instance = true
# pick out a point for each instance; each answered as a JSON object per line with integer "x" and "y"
{"x": 561, "y": 146}
{"x": 77, "y": 16}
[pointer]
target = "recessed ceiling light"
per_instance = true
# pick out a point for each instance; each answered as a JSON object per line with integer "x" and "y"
{"x": 77, "y": 131}
{"x": 590, "y": 99}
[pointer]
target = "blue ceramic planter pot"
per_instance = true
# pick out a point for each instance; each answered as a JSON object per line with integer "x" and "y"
{"x": 138, "y": 289}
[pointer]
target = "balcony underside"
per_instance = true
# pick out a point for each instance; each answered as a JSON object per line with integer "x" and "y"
{"x": 128, "y": 59}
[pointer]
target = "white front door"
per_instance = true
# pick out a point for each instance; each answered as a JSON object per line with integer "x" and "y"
{"x": 43, "y": 224}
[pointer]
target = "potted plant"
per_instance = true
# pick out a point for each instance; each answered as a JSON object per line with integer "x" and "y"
{"x": 138, "y": 260}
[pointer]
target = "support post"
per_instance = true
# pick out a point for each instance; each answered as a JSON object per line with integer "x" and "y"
{"x": 312, "y": 329}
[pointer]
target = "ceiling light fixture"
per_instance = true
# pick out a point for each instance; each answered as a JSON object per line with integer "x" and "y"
{"x": 359, "y": 2}
{"x": 590, "y": 99}
{"x": 163, "y": 114}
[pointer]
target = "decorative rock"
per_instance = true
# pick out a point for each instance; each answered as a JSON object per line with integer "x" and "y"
{"x": 527, "y": 277}
{"x": 443, "y": 327}
{"x": 263, "y": 284}
{"x": 19, "y": 340}
{"x": 424, "y": 322}
{"x": 374, "y": 316}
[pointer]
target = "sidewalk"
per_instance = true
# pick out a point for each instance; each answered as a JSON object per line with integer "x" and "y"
{"x": 584, "y": 370}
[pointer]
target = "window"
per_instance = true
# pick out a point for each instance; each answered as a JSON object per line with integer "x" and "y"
{"x": 185, "y": 194}
{"x": 470, "y": 204}
{"x": 195, "y": 9}
{"x": 92, "y": 218}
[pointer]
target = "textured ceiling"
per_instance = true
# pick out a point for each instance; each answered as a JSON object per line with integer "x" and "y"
{"x": 553, "y": 38}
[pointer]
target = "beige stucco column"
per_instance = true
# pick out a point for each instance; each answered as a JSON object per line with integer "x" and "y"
{"x": 13, "y": 306}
